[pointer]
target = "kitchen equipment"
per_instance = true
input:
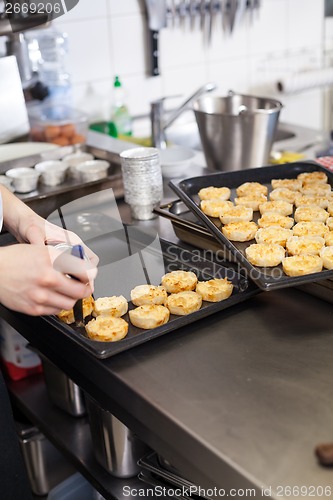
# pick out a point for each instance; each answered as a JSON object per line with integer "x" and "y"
{"x": 142, "y": 178}
{"x": 52, "y": 172}
{"x": 14, "y": 121}
{"x": 236, "y": 131}
{"x": 166, "y": 258}
{"x": 24, "y": 179}
{"x": 265, "y": 278}
{"x": 62, "y": 391}
{"x": 75, "y": 159}
{"x": 116, "y": 447}
{"x": 46, "y": 466}
{"x": 175, "y": 161}
{"x": 92, "y": 170}
{"x": 75, "y": 487}
{"x": 157, "y": 19}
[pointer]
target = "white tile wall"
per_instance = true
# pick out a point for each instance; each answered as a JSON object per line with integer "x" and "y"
{"x": 109, "y": 37}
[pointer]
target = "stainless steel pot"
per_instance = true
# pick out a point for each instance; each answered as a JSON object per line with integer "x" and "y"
{"x": 236, "y": 131}
{"x": 116, "y": 448}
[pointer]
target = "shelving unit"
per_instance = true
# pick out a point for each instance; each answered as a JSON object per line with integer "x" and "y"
{"x": 70, "y": 435}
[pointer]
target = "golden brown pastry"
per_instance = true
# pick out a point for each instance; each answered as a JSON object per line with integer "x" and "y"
{"x": 283, "y": 194}
{"x": 304, "y": 200}
{"x": 149, "y": 316}
{"x": 213, "y": 193}
{"x": 87, "y": 310}
{"x": 240, "y": 231}
{"x": 179, "y": 281}
{"x": 107, "y": 329}
{"x": 184, "y": 303}
{"x": 329, "y": 239}
{"x": 300, "y": 265}
{"x": 111, "y": 306}
{"x": 251, "y": 201}
{"x": 274, "y": 219}
{"x": 236, "y": 214}
{"x": 148, "y": 294}
{"x": 251, "y": 189}
{"x": 326, "y": 254}
{"x": 213, "y": 208}
{"x": 308, "y": 228}
{"x": 310, "y": 213}
{"x": 273, "y": 234}
{"x": 317, "y": 176}
{"x": 300, "y": 245}
{"x": 215, "y": 290}
{"x": 278, "y": 206}
{"x": 264, "y": 254}
{"x": 293, "y": 184}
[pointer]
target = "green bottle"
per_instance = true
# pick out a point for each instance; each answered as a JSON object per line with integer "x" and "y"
{"x": 120, "y": 117}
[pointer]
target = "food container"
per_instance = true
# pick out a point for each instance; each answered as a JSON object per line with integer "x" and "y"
{"x": 93, "y": 170}
{"x": 24, "y": 179}
{"x": 62, "y": 391}
{"x": 116, "y": 448}
{"x": 46, "y": 466}
{"x": 59, "y": 125}
{"x": 75, "y": 159}
{"x": 52, "y": 172}
{"x": 175, "y": 161}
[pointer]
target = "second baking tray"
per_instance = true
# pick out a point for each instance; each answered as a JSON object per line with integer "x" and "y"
{"x": 266, "y": 278}
{"x": 146, "y": 262}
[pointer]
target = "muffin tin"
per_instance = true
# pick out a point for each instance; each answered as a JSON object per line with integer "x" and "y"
{"x": 266, "y": 278}
{"x": 170, "y": 257}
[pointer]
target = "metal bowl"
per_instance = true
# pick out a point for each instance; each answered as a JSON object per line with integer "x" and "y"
{"x": 52, "y": 172}
{"x": 93, "y": 170}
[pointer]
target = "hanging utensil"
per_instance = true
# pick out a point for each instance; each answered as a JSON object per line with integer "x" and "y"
{"x": 157, "y": 19}
{"x": 211, "y": 14}
{"x": 232, "y": 14}
{"x": 202, "y": 15}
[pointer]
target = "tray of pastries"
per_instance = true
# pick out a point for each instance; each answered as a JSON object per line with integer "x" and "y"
{"x": 147, "y": 291}
{"x": 277, "y": 221}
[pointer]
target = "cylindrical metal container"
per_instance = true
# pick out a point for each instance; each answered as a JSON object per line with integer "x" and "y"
{"x": 236, "y": 131}
{"x": 116, "y": 448}
{"x": 46, "y": 466}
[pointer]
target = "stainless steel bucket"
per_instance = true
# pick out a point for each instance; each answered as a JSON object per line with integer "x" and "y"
{"x": 236, "y": 131}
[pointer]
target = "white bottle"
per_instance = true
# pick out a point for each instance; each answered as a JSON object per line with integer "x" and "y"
{"x": 120, "y": 115}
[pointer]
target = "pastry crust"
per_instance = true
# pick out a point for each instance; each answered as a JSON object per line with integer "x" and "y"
{"x": 184, "y": 303}
{"x": 107, "y": 329}
{"x": 148, "y": 294}
{"x": 317, "y": 176}
{"x": 310, "y": 228}
{"x": 115, "y": 305}
{"x": 275, "y": 219}
{"x": 251, "y": 189}
{"x": 310, "y": 213}
{"x": 179, "y": 281}
{"x": 330, "y": 208}
{"x": 213, "y": 193}
{"x": 329, "y": 239}
{"x": 301, "y": 245}
{"x": 283, "y": 194}
{"x": 87, "y": 309}
{"x": 265, "y": 255}
{"x": 326, "y": 254}
{"x": 214, "y": 208}
{"x": 329, "y": 223}
{"x": 240, "y": 231}
{"x": 305, "y": 200}
{"x": 236, "y": 214}
{"x": 279, "y": 206}
{"x": 293, "y": 184}
{"x": 149, "y": 316}
{"x": 215, "y": 290}
{"x": 312, "y": 189}
{"x": 251, "y": 201}
{"x": 273, "y": 234}
{"x": 300, "y": 265}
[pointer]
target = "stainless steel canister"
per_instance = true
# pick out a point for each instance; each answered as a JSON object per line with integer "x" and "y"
{"x": 116, "y": 448}
{"x": 236, "y": 131}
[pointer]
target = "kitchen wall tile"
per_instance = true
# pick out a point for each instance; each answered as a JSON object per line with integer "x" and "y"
{"x": 226, "y": 45}
{"x": 89, "y": 49}
{"x": 128, "y": 42}
{"x": 118, "y": 8}
{"x": 268, "y": 30}
{"x": 94, "y": 99}
{"x": 180, "y": 47}
{"x": 86, "y": 9}
{"x": 309, "y": 115}
{"x": 230, "y": 75}
{"x": 183, "y": 82}
{"x": 302, "y": 16}
{"x": 140, "y": 91}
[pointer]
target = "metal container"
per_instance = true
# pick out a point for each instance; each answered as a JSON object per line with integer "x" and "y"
{"x": 46, "y": 466}
{"x": 116, "y": 447}
{"x": 24, "y": 179}
{"x": 236, "y": 131}
{"x": 62, "y": 391}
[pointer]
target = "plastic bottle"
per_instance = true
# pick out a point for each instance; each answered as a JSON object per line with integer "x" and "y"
{"x": 120, "y": 116}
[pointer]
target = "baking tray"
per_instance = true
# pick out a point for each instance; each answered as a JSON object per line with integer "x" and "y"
{"x": 155, "y": 259}
{"x": 266, "y": 278}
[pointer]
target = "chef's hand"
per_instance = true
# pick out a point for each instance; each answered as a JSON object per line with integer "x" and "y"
{"x": 34, "y": 279}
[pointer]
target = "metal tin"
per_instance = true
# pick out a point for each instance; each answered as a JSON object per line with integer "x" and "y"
{"x": 116, "y": 447}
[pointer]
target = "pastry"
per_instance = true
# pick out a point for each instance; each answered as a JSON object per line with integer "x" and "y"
{"x": 329, "y": 239}
{"x": 251, "y": 201}
{"x": 304, "y": 200}
{"x": 312, "y": 189}
{"x": 107, "y": 328}
{"x": 184, "y": 303}
{"x": 148, "y": 294}
{"x": 275, "y": 219}
{"x": 317, "y": 176}
{"x": 326, "y": 253}
{"x": 300, "y": 245}
{"x": 273, "y": 234}
{"x": 87, "y": 310}
{"x": 307, "y": 228}
{"x": 251, "y": 189}
{"x": 240, "y": 231}
{"x": 236, "y": 214}
{"x": 214, "y": 290}
{"x": 299, "y": 265}
{"x": 213, "y": 208}
{"x": 283, "y": 194}
{"x": 149, "y": 316}
{"x": 310, "y": 213}
{"x": 213, "y": 193}
{"x": 179, "y": 281}
{"x": 293, "y": 184}
{"x": 278, "y": 206}
{"x": 265, "y": 255}
{"x": 111, "y": 306}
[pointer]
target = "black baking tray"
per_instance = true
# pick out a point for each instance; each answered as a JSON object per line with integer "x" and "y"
{"x": 266, "y": 278}
{"x": 155, "y": 257}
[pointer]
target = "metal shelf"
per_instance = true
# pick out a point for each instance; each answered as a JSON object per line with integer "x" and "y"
{"x": 70, "y": 435}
